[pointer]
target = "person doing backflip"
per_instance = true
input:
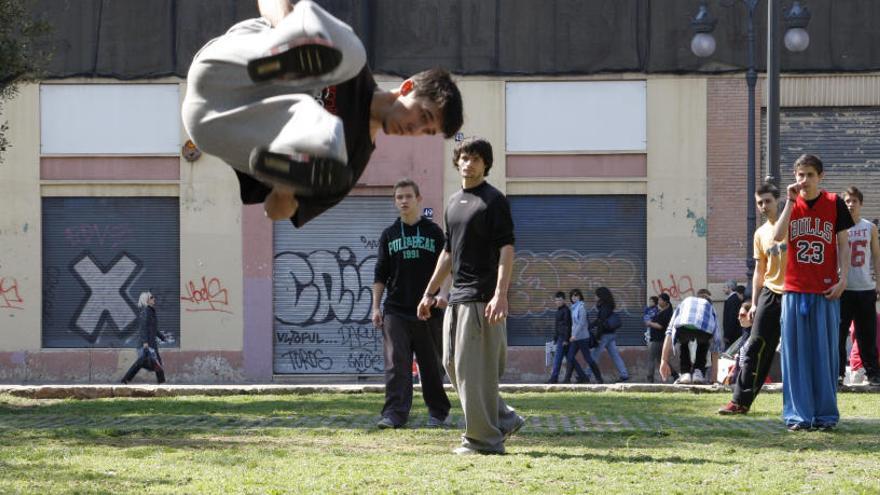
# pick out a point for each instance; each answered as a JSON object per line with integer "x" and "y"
{"x": 288, "y": 101}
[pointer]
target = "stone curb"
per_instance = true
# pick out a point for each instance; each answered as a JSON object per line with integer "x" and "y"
{"x": 112, "y": 391}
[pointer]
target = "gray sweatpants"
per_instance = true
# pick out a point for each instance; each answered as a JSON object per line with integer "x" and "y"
{"x": 227, "y": 115}
{"x": 474, "y": 354}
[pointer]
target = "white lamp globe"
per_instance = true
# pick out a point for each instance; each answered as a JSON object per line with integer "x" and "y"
{"x": 703, "y": 44}
{"x": 797, "y": 39}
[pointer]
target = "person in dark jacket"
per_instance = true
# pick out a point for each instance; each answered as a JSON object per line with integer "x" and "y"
{"x": 149, "y": 340}
{"x": 607, "y": 337}
{"x": 562, "y": 337}
{"x": 730, "y": 322}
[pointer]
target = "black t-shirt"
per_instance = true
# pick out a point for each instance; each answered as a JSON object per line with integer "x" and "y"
{"x": 478, "y": 225}
{"x": 406, "y": 261}
{"x": 664, "y": 316}
{"x": 350, "y": 101}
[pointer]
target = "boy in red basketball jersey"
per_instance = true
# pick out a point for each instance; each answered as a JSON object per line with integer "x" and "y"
{"x": 815, "y": 277}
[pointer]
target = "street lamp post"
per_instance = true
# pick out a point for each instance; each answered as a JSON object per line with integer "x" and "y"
{"x": 796, "y": 39}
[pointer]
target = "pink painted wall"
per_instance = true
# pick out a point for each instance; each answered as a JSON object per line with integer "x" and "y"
{"x": 623, "y": 165}
{"x": 110, "y": 168}
{"x": 256, "y": 231}
{"x": 420, "y": 159}
{"x": 109, "y": 366}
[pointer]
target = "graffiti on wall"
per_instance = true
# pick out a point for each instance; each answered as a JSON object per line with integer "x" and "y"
{"x": 537, "y": 276}
{"x": 106, "y": 301}
{"x": 323, "y": 303}
{"x": 324, "y": 286}
{"x": 677, "y": 286}
{"x": 113, "y": 235}
{"x": 10, "y": 295}
{"x": 207, "y": 294}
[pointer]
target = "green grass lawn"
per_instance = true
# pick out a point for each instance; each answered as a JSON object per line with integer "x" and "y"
{"x": 674, "y": 443}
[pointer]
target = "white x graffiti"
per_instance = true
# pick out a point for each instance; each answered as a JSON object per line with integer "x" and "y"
{"x": 107, "y": 290}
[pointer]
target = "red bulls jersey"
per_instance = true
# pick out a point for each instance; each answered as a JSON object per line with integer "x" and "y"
{"x": 811, "y": 266}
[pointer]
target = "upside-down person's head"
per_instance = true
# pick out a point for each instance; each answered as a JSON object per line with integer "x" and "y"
{"x": 427, "y": 103}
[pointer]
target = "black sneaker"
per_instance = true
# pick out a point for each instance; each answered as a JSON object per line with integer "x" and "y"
{"x": 520, "y": 422}
{"x": 825, "y": 427}
{"x": 305, "y": 57}
{"x": 386, "y": 423}
{"x": 874, "y": 380}
{"x": 306, "y": 174}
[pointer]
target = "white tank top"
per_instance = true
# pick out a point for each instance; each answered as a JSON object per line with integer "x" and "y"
{"x": 860, "y": 269}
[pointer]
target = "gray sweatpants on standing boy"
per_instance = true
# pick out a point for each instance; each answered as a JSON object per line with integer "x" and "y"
{"x": 475, "y": 354}
{"x": 228, "y": 115}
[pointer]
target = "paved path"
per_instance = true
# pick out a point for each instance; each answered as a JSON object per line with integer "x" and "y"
{"x": 538, "y": 424}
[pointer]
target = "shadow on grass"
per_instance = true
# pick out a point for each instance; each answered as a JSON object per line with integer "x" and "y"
{"x": 612, "y": 458}
{"x": 189, "y": 419}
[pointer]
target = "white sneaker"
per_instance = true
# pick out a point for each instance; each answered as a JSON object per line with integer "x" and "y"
{"x": 859, "y": 377}
{"x": 698, "y": 378}
{"x": 684, "y": 379}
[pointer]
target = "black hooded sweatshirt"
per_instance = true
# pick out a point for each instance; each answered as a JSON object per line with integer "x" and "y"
{"x": 406, "y": 261}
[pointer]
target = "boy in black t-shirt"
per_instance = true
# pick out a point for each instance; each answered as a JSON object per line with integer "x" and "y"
{"x": 288, "y": 101}
{"x": 408, "y": 250}
{"x": 479, "y": 254}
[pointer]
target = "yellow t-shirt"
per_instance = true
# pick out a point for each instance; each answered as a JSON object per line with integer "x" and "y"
{"x": 774, "y": 254}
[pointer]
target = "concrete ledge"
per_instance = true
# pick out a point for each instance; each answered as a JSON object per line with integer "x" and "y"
{"x": 111, "y": 391}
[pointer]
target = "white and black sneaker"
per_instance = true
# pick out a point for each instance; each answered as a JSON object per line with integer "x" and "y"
{"x": 307, "y": 175}
{"x": 684, "y": 379}
{"x": 299, "y": 59}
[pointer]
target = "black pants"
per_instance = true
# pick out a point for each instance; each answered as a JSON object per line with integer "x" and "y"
{"x": 655, "y": 352}
{"x": 858, "y": 306}
{"x": 402, "y": 338}
{"x": 582, "y": 346}
{"x": 756, "y": 356}
{"x": 139, "y": 363}
{"x": 684, "y": 336}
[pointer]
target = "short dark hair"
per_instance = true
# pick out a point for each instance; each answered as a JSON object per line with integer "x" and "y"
{"x": 768, "y": 188}
{"x": 407, "y": 183}
{"x": 704, "y": 293}
{"x": 854, "y": 192}
{"x": 740, "y": 289}
{"x": 576, "y": 292}
{"x": 654, "y": 299}
{"x": 664, "y": 296}
{"x": 473, "y": 146}
{"x": 746, "y": 305}
{"x": 437, "y": 85}
{"x": 808, "y": 160}
{"x": 559, "y": 295}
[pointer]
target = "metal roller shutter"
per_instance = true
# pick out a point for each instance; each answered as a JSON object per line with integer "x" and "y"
{"x": 99, "y": 254}
{"x": 585, "y": 242}
{"x": 847, "y": 139}
{"x": 322, "y": 286}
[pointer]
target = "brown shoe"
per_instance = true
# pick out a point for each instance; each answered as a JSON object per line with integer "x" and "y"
{"x": 732, "y": 408}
